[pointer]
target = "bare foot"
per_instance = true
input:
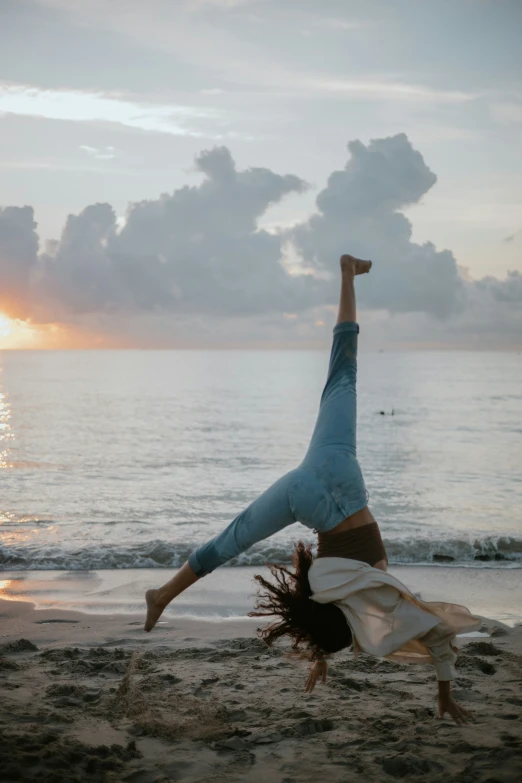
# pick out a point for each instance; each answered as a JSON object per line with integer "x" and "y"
{"x": 355, "y": 265}
{"x": 154, "y": 610}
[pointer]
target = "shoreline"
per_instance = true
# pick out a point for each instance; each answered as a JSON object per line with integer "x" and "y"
{"x": 229, "y": 593}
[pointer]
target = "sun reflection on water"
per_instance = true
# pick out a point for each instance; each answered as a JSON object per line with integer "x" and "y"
{"x": 10, "y": 589}
{"x": 4, "y": 584}
{"x": 6, "y": 433}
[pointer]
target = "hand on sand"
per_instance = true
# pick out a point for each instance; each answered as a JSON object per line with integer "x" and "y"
{"x": 318, "y": 670}
{"x": 458, "y": 713}
{"x": 355, "y": 265}
{"x": 154, "y": 610}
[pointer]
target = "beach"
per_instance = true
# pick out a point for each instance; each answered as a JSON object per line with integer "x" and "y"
{"x": 116, "y": 465}
{"x": 91, "y": 696}
{"x": 260, "y": 302}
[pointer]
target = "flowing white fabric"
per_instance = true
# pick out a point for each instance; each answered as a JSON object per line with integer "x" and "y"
{"x": 386, "y": 619}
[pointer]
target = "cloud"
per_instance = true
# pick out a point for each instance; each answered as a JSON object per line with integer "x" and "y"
{"x": 508, "y": 290}
{"x": 507, "y": 112}
{"x": 359, "y": 210}
{"x": 199, "y": 256}
{"x": 196, "y": 4}
{"x": 87, "y": 106}
{"x": 105, "y": 153}
{"x": 202, "y": 39}
{"x": 338, "y": 24}
{"x": 198, "y": 249}
{"x": 493, "y": 316}
{"x": 387, "y": 90}
{"x": 18, "y": 258}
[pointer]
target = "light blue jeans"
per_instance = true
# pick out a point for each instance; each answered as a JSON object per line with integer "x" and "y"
{"x": 327, "y": 486}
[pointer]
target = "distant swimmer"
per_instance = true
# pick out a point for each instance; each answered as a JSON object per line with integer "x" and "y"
{"x": 343, "y": 597}
{"x": 392, "y": 413}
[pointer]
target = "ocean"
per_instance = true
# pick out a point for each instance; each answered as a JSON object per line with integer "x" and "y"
{"x": 130, "y": 459}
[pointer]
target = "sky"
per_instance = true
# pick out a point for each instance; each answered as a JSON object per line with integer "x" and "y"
{"x": 187, "y": 174}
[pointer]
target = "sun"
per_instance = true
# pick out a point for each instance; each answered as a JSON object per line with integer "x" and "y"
{"x": 18, "y": 334}
{"x": 5, "y": 326}
{"x": 15, "y": 333}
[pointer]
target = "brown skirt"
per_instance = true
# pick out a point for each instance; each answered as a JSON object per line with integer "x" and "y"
{"x": 360, "y": 543}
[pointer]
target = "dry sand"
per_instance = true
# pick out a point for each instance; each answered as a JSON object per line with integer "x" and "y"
{"x": 92, "y": 698}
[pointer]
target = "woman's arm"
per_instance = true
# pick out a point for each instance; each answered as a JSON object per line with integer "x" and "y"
{"x": 318, "y": 671}
{"x": 443, "y": 656}
{"x": 447, "y": 704}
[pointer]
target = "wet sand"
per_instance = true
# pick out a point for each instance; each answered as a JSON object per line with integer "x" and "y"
{"x": 93, "y": 698}
{"x": 229, "y": 592}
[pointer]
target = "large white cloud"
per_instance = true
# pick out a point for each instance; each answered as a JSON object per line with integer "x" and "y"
{"x": 199, "y": 249}
{"x": 199, "y": 252}
{"x": 359, "y": 209}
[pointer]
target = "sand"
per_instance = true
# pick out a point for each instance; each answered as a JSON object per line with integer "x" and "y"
{"x": 87, "y": 697}
{"x": 229, "y": 592}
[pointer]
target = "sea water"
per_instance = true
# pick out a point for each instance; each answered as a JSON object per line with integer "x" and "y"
{"x": 130, "y": 459}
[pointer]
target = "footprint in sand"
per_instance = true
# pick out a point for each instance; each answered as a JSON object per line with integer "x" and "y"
{"x": 483, "y": 648}
{"x": 354, "y": 685}
{"x": 467, "y": 694}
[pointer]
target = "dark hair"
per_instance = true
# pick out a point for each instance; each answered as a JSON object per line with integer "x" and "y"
{"x": 321, "y": 627}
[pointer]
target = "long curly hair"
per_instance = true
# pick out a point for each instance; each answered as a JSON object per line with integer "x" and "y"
{"x": 320, "y": 628}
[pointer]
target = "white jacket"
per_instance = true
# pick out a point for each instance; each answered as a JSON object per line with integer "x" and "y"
{"x": 385, "y": 617}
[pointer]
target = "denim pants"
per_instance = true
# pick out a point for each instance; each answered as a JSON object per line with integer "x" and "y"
{"x": 327, "y": 486}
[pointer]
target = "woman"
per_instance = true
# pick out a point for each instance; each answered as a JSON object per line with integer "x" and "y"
{"x": 345, "y": 597}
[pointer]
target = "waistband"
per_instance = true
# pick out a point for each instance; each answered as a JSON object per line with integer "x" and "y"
{"x": 360, "y": 543}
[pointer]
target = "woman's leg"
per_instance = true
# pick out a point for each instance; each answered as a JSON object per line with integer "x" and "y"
{"x": 268, "y": 514}
{"x": 158, "y": 599}
{"x": 271, "y": 511}
{"x": 350, "y": 267}
{"x": 336, "y": 422}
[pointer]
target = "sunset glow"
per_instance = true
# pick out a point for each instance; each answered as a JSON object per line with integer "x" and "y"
{"x": 15, "y": 333}
{"x": 5, "y": 326}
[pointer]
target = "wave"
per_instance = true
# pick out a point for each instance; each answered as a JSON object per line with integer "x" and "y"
{"x": 487, "y": 551}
